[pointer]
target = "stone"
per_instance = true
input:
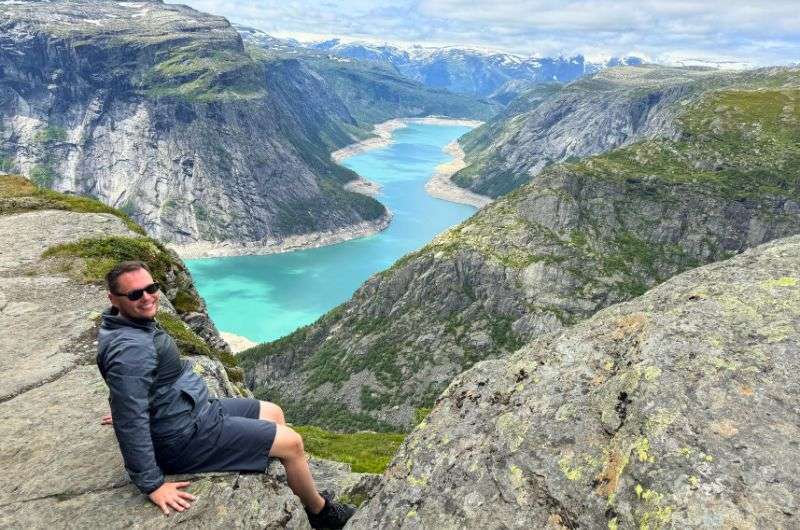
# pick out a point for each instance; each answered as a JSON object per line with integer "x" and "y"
{"x": 674, "y": 410}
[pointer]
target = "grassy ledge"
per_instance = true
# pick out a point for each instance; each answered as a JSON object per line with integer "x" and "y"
{"x": 366, "y": 452}
{"x": 18, "y": 195}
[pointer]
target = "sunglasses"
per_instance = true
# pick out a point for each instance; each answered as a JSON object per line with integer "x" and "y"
{"x": 138, "y": 293}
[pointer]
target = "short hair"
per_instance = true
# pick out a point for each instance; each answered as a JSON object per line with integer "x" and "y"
{"x": 121, "y": 268}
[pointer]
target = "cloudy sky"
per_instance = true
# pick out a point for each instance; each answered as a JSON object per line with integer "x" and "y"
{"x": 740, "y": 31}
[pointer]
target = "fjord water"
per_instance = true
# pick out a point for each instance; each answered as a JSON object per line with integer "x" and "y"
{"x": 266, "y": 297}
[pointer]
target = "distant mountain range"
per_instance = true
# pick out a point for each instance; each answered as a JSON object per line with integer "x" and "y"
{"x": 497, "y": 75}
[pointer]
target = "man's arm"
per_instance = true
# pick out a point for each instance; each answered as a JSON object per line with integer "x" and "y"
{"x": 130, "y": 370}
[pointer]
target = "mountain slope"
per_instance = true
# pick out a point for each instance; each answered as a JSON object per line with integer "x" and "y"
{"x": 675, "y": 410}
{"x": 614, "y": 108}
{"x": 580, "y": 237}
{"x": 468, "y": 71}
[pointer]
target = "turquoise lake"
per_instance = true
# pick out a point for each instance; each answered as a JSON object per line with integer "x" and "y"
{"x": 266, "y": 297}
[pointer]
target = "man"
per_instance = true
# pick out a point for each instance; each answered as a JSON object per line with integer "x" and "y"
{"x": 165, "y": 421}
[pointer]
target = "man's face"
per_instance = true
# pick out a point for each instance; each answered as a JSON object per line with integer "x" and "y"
{"x": 146, "y": 306}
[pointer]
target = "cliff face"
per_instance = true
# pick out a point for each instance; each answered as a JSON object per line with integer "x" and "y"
{"x": 160, "y": 111}
{"x": 580, "y": 237}
{"x": 547, "y": 124}
{"x": 675, "y": 410}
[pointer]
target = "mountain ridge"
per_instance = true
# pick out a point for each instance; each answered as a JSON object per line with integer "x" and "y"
{"x": 581, "y": 236}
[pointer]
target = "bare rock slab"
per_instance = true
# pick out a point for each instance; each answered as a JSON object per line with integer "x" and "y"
{"x": 675, "y": 410}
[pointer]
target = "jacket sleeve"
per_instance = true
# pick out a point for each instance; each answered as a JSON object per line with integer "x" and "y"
{"x": 130, "y": 371}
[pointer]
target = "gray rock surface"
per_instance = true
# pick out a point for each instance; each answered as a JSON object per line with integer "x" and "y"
{"x": 675, "y": 410}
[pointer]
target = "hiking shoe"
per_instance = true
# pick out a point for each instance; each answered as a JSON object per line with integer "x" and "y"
{"x": 333, "y": 516}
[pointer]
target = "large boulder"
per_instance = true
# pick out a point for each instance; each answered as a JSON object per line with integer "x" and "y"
{"x": 677, "y": 409}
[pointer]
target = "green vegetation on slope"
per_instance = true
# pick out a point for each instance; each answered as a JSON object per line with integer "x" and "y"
{"x": 366, "y": 452}
{"x": 201, "y": 72}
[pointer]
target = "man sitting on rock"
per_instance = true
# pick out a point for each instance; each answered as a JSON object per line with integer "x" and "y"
{"x": 165, "y": 421}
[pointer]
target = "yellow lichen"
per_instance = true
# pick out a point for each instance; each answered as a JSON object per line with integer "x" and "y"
{"x": 198, "y": 369}
{"x": 780, "y": 282}
{"x": 512, "y": 430}
{"x": 613, "y": 524}
{"x": 571, "y": 473}
{"x": 420, "y": 482}
{"x": 642, "y": 447}
{"x": 651, "y": 373}
{"x": 657, "y": 423}
{"x": 656, "y": 514}
{"x": 694, "y": 482}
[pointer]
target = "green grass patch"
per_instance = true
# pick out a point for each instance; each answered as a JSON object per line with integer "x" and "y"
{"x": 102, "y": 253}
{"x": 198, "y": 72}
{"x": 43, "y": 175}
{"x": 366, "y": 452}
{"x": 18, "y": 194}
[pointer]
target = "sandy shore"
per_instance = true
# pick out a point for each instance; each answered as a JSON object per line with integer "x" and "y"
{"x": 205, "y": 249}
{"x": 383, "y": 134}
{"x": 237, "y": 342}
{"x": 441, "y": 187}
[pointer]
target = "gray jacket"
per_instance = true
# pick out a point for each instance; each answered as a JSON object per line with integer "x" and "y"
{"x": 155, "y": 396}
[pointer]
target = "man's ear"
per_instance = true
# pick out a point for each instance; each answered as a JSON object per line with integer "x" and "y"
{"x": 111, "y": 299}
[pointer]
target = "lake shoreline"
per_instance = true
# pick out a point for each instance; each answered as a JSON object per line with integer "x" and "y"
{"x": 207, "y": 249}
{"x": 441, "y": 187}
{"x": 383, "y": 132}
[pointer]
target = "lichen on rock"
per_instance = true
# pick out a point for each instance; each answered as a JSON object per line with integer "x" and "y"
{"x": 696, "y": 443}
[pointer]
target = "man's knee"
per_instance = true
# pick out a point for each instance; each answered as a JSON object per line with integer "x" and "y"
{"x": 287, "y": 444}
{"x": 272, "y": 412}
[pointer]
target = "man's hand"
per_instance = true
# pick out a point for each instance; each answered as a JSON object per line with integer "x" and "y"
{"x": 168, "y": 496}
{"x": 106, "y": 420}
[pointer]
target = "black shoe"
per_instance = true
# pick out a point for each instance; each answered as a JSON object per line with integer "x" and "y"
{"x": 333, "y": 516}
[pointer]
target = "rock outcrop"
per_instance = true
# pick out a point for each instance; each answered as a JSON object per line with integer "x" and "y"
{"x": 675, "y": 410}
{"x": 580, "y": 237}
{"x": 61, "y": 467}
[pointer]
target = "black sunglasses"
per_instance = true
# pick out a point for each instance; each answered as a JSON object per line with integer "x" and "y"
{"x": 138, "y": 293}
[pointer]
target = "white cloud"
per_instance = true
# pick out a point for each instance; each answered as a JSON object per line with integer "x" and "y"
{"x": 753, "y": 32}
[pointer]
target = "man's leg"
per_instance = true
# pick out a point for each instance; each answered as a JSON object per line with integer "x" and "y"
{"x": 288, "y": 448}
{"x": 271, "y": 412}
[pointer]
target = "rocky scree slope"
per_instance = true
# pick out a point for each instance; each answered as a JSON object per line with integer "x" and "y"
{"x": 613, "y": 108}
{"x": 159, "y": 110}
{"x": 675, "y": 410}
{"x": 580, "y": 237}
{"x": 62, "y": 467}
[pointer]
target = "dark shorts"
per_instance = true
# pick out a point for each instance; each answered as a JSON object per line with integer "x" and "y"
{"x": 228, "y": 437}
